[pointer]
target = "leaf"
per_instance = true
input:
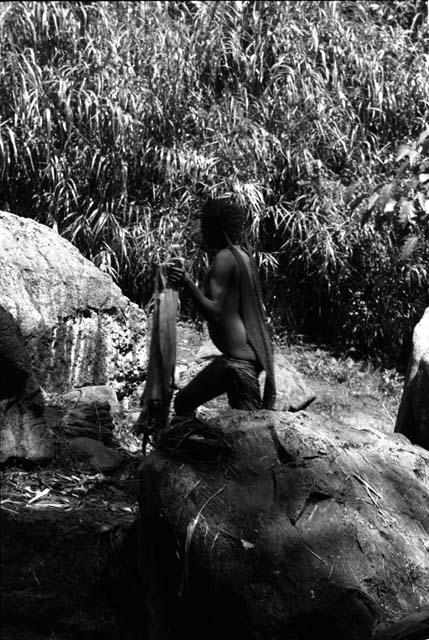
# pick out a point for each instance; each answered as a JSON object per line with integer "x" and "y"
{"x": 422, "y": 137}
{"x": 372, "y": 201}
{"x": 406, "y": 212}
{"x": 356, "y": 202}
{"x": 386, "y": 194}
{"x": 403, "y": 152}
{"x": 413, "y": 155}
{"x": 422, "y": 200}
{"x": 48, "y": 120}
{"x": 389, "y": 206}
{"x": 425, "y": 146}
{"x": 39, "y": 494}
{"x": 350, "y": 191}
{"x": 409, "y": 246}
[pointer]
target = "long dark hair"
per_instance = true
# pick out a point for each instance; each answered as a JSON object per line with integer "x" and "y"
{"x": 221, "y": 220}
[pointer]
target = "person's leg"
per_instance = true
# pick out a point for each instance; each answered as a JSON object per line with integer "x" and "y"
{"x": 243, "y": 387}
{"x": 211, "y": 382}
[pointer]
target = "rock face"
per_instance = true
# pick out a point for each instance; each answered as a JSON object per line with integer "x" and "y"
{"x": 15, "y": 365}
{"x": 305, "y": 530}
{"x": 413, "y": 414}
{"x": 64, "y": 325}
{"x": 24, "y": 434}
{"x": 293, "y": 393}
{"x": 78, "y": 327}
{"x": 85, "y": 412}
{"x": 94, "y": 452}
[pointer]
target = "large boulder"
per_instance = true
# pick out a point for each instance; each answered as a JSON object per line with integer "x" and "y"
{"x": 304, "y": 529}
{"x": 413, "y": 413}
{"x": 79, "y": 329}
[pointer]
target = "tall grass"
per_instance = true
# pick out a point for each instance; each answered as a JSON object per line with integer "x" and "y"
{"x": 116, "y": 117}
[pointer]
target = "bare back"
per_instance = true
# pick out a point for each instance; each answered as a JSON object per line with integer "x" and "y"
{"x": 228, "y": 331}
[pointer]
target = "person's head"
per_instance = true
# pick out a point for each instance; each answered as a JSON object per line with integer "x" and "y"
{"x": 222, "y": 221}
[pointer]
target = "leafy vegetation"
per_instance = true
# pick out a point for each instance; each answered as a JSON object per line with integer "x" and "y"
{"x": 116, "y": 117}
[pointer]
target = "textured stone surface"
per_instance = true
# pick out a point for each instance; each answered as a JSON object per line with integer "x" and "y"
{"x": 15, "y": 365}
{"x": 310, "y": 529}
{"x": 96, "y": 454}
{"x": 78, "y": 327}
{"x": 24, "y": 433}
{"x": 413, "y": 414}
{"x": 86, "y": 411}
{"x": 293, "y": 393}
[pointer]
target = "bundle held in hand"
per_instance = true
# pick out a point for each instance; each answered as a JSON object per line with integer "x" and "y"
{"x": 162, "y": 358}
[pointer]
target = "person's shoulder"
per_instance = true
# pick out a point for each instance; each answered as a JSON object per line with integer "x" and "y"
{"x": 228, "y": 252}
{"x": 224, "y": 255}
{"x": 224, "y": 260}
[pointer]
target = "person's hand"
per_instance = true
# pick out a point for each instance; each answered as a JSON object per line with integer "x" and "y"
{"x": 176, "y": 272}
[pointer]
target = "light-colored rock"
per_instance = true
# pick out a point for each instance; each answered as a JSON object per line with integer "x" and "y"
{"x": 308, "y": 529}
{"x": 293, "y": 393}
{"x": 96, "y": 454}
{"x": 78, "y": 327}
{"x": 413, "y": 413}
{"x": 86, "y": 411}
{"x": 24, "y": 433}
{"x": 98, "y": 395}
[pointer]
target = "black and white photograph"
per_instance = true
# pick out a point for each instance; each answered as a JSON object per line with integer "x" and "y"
{"x": 214, "y": 320}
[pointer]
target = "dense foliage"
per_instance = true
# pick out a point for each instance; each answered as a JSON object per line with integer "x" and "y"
{"x": 116, "y": 117}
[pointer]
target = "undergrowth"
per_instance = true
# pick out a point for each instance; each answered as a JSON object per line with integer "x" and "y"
{"x": 117, "y": 118}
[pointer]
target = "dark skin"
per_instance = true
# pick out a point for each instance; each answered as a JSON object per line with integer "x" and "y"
{"x": 218, "y": 303}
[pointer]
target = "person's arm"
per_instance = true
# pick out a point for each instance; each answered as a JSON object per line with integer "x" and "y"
{"x": 211, "y": 308}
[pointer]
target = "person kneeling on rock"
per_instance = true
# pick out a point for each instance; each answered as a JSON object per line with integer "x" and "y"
{"x": 231, "y": 303}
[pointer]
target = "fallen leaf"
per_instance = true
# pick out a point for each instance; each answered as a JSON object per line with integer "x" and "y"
{"x": 45, "y": 505}
{"x": 247, "y": 545}
{"x": 39, "y": 495}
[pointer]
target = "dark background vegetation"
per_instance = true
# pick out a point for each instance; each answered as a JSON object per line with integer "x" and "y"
{"x": 117, "y": 117}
